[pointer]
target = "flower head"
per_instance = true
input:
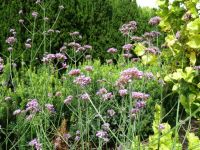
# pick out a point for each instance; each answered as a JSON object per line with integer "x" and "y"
{"x": 82, "y": 80}
{"x": 154, "y": 21}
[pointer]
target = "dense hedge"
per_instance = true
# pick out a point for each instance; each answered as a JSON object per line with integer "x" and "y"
{"x": 97, "y": 20}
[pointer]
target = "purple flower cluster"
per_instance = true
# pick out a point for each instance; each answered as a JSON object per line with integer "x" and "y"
{"x": 82, "y": 80}
{"x": 129, "y": 27}
{"x": 50, "y": 108}
{"x": 127, "y": 75}
{"x": 50, "y": 57}
{"x": 112, "y": 50}
{"x": 107, "y": 96}
{"x": 78, "y": 48}
{"x": 74, "y": 72}
{"x": 32, "y": 106}
{"x": 85, "y": 96}
{"x": 127, "y": 47}
{"x": 102, "y": 135}
{"x": 102, "y": 91}
{"x": 35, "y": 143}
{"x": 154, "y": 21}
{"x": 68, "y": 100}
{"x": 149, "y": 75}
{"x": 11, "y": 40}
{"x": 151, "y": 35}
{"x": 139, "y": 95}
{"x": 89, "y": 68}
{"x": 123, "y": 92}
{"x": 152, "y": 50}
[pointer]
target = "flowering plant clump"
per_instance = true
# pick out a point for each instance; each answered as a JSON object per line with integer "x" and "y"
{"x": 82, "y": 80}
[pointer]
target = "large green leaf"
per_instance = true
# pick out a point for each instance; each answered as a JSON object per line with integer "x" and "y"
{"x": 139, "y": 49}
{"x": 194, "y": 41}
{"x": 194, "y": 26}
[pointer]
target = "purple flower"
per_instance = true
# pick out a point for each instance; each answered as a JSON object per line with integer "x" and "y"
{"x": 107, "y": 96}
{"x": 133, "y": 112}
{"x": 11, "y": 40}
{"x": 50, "y": 107}
{"x": 60, "y": 56}
{"x": 129, "y": 27}
{"x": 127, "y": 47}
{"x": 82, "y": 80}
{"x": 74, "y": 45}
{"x": 139, "y": 95}
{"x": 89, "y": 68}
{"x": 85, "y": 97}
{"x": 68, "y": 100}
{"x": 123, "y": 92}
{"x": 67, "y": 136}
{"x": 32, "y": 106}
{"x": 140, "y": 104}
{"x": 154, "y": 21}
{"x": 102, "y": 135}
{"x": 102, "y": 91}
{"x": 35, "y": 143}
{"x": 127, "y": 55}
{"x": 112, "y": 50}
{"x": 74, "y": 72}
{"x": 149, "y": 75}
{"x": 111, "y": 112}
{"x": 77, "y": 138}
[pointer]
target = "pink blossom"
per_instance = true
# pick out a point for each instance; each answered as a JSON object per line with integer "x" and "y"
{"x": 139, "y": 95}
{"x": 82, "y": 80}
{"x": 127, "y": 47}
{"x": 112, "y": 50}
{"x": 74, "y": 72}
{"x": 68, "y": 99}
{"x": 123, "y": 92}
{"x": 89, "y": 68}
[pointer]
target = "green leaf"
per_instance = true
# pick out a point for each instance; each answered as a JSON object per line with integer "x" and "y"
{"x": 148, "y": 59}
{"x": 194, "y": 26}
{"x": 170, "y": 40}
{"x": 193, "y": 58}
{"x": 194, "y": 41}
{"x": 139, "y": 49}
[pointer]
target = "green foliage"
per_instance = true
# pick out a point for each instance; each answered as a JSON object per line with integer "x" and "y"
{"x": 193, "y": 141}
{"x": 162, "y": 138}
{"x": 181, "y": 23}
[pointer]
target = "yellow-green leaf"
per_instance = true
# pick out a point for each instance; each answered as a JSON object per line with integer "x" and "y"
{"x": 139, "y": 49}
